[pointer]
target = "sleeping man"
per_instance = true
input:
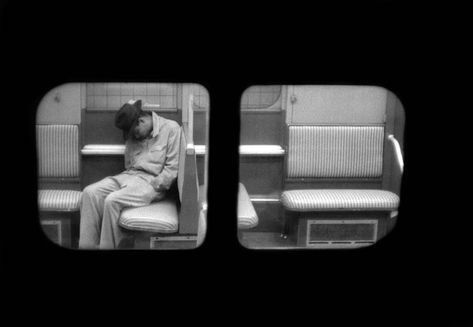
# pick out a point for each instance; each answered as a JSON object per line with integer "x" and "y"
{"x": 151, "y": 166}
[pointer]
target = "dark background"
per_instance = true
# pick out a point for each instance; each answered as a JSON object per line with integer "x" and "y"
{"x": 420, "y": 273}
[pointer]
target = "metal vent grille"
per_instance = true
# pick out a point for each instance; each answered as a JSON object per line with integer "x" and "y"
{"x": 341, "y": 233}
{"x": 173, "y": 242}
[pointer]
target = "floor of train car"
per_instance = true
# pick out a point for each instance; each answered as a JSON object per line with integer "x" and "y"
{"x": 272, "y": 240}
{"x": 267, "y": 240}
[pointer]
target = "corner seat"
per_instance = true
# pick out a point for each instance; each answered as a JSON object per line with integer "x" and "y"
{"x": 247, "y": 217}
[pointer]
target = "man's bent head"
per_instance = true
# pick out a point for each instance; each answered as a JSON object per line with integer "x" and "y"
{"x": 143, "y": 126}
{"x": 127, "y": 117}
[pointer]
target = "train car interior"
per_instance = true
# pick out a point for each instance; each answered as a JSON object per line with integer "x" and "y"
{"x": 320, "y": 166}
{"x": 78, "y": 145}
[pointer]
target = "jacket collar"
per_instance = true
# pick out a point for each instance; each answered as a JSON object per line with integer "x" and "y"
{"x": 157, "y": 121}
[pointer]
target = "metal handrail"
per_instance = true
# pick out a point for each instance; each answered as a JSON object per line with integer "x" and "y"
{"x": 397, "y": 152}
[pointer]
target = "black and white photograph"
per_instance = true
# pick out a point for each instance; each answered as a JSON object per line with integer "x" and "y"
{"x": 123, "y": 165}
{"x": 320, "y": 166}
{"x": 243, "y": 163}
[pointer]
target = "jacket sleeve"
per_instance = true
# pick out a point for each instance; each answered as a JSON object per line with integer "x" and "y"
{"x": 167, "y": 176}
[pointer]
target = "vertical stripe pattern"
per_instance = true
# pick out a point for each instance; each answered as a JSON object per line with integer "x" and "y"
{"x": 335, "y": 151}
{"x": 346, "y": 199}
{"x": 60, "y": 200}
{"x": 58, "y": 150}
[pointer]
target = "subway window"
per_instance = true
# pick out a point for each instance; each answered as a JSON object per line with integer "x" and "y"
{"x": 200, "y": 96}
{"x": 261, "y": 97}
{"x": 110, "y": 96}
{"x": 324, "y": 171}
{"x": 123, "y": 165}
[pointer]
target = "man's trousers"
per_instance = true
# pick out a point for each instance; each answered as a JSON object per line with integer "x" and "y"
{"x": 102, "y": 203}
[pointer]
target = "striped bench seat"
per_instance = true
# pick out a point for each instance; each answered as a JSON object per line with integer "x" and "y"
{"x": 247, "y": 217}
{"x": 159, "y": 217}
{"x": 339, "y": 199}
{"x": 59, "y": 200}
{"x": 58, "y": 158}
{"x": 59, "y": 164}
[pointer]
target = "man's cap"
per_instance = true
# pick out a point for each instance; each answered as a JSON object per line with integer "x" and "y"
{"x": 127, "y": 115}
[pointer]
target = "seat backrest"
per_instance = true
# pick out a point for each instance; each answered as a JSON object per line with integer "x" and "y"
{"x": 336, "y": 132}
{"x": 58, "y": 151}
{"x": 335, "y": 151}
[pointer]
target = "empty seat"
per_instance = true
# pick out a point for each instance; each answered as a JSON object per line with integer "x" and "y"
{"x": 58, "y": 160}
{"x": 247, "y": 217}
{"x": 59, "y": 168}
{"x": 339, "y": 199}
{"x": 340, "y": 169}
{"x": 332, "y": 152}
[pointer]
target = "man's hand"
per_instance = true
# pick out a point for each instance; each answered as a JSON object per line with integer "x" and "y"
{"x": 157, "y": 186}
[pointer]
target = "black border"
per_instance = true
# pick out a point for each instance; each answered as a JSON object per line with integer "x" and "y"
{"x": 409, "y": 276}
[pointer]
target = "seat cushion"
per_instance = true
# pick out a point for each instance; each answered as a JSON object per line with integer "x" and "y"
{"x": 346, "y": 199}
{"x": 247, "y": 217}
{"x": 59, "y": 200}
{"x": 159, "y": 217}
